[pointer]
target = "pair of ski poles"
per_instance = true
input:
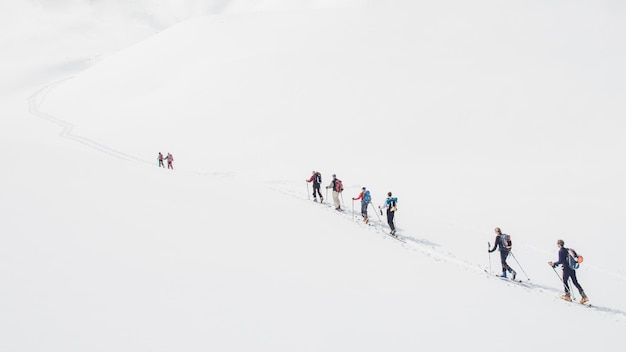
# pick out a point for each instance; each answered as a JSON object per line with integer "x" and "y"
{"x": 513, "y": 255}
{"x": 368, "y": 204}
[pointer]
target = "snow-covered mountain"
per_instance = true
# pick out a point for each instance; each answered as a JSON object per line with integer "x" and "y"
{"x": 475, "y": 115}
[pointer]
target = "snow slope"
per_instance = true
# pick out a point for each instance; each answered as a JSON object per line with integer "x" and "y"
{"x": 475, "y": 116}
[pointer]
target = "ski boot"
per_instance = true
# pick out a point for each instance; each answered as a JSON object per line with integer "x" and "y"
{"x": 514, "y": 274}
{"x": 366, "y": 220}
{"x": 584, "y": 299}
{"x": 566, "y": 297}
{"x": 503, "y": 275}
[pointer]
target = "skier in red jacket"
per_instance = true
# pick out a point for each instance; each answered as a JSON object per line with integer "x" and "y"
{"x": 170, "y": 160}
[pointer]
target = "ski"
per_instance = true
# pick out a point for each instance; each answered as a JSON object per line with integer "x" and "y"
{"x": 505, "y": 278}
{"x": 586, "y": 304}
{"x": 395, "y": 237}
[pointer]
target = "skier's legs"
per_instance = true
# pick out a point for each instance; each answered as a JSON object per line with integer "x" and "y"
{"x": 316, "y": 191}
{"x": 336, "y": 199}
{"x": 566, "y": 276}
{"x": 390, "y": 215}
{"x": 364, "y": 209}
{"x": 575, "y": 281}
{"x": 503, "y": 256}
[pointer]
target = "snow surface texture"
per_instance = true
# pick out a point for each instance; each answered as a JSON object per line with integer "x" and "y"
{"x": 476, "y": 115}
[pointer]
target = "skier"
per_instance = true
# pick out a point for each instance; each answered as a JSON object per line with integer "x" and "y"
{"x": 503, "y": 242}
{"x": 390, "y": 205}
{"x": 567, "y": 273}
{"x": 365, "y": 198}
{"x": 170, "y": 160}
{"x": 160, "y": 158}
{"x": 316, "y": 178}
{"x": 337, "y": 187}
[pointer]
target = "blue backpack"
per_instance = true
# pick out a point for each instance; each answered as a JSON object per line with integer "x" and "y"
{"x": 573, "y": 259}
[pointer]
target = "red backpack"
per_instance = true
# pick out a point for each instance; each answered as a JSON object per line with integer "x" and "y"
{"x": 338, "y": 185}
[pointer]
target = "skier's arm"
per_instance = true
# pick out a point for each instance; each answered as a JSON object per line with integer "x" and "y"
{"x": 359, "y": 196}
{"x": 562, "y": 258}
{"x": 310, "y": 179}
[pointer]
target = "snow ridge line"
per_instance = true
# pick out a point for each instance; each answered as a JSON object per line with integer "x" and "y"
{"x": 34, "y": 103}
{"x": 429, "y": 249}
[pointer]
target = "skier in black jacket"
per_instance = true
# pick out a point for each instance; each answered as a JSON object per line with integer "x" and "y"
{"x": 504, "y": 243}
{"x": 316, "y": 178}
{"x": 567, "y": 273}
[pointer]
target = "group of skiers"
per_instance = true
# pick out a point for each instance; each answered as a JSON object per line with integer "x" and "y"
{"x": 169, "y": 158}
{"x": 336, "y": 185}
{"x": 568, "y": 259}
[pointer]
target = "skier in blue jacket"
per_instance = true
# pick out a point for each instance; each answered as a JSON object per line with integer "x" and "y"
{"x": 567, "y": 273}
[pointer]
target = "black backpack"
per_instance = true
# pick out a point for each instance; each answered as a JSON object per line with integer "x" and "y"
{"x": 318, "y": 177}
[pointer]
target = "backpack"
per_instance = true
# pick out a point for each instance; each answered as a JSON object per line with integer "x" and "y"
{"x": 338, "y": 185}
{"x": 505, "y": 241}
{"x": 393, "y": 204}
{"x": 318, "y": 177}
{"x": 573, "y": 259}
{"x": 367, "y": 197}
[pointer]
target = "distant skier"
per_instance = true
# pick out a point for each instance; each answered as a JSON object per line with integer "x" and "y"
{"x": 160, "y": 158}
{"x": 316, "y": 178}
{"x": 337, "y": 186}
{"x": 568, "y": 272}
{"x": 504, "y": 244}
{"x": 365, "y": 198}
{"x": 391, "y": 206}
{"x": 170, "y": 160}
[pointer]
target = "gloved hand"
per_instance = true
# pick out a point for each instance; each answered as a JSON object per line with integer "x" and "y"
{"x": 551, "y": 264}
{"x": 381, "y": 212}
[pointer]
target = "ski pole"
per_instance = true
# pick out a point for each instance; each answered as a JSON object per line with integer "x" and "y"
{"x": 375, "y": 212}
{"x": 352, "y": 209}
{"x": 489, "y": 254}
{"x": 342, "y": 202}
{"x": 519, "y": 265}
{"x": 308, "y": 196}
{"x": 557, "y": 275}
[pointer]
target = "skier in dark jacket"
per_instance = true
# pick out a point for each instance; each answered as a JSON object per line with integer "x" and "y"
{"x": 568, "y": 273}
{"x": 316, "y": 178}
{"x": 160, "y": 159}
{"x": 391, "y": 206}
{"x": 504, "y": 244}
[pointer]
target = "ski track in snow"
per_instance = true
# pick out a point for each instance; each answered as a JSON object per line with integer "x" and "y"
{"x": 424, "y": 246}
{"x": 377, "y": 225}
{"x": 34, "y": 103}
